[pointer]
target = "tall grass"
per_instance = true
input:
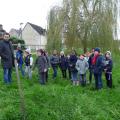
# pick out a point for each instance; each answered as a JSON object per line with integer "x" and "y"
{"x": 59, "y": 100}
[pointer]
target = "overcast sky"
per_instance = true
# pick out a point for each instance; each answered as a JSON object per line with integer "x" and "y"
{"x": 13, "y": 12}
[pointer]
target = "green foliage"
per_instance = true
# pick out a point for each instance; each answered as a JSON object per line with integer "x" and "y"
{"x": 15, "y": 41}
{"x": 85, "y": 24}
{"x": 59, "y": 100}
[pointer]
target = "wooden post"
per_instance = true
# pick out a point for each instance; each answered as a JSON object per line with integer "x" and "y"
{"x": 22, "y": 102}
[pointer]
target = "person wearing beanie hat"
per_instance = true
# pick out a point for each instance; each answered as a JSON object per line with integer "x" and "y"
{"x": 28, "y": 63}
{"x": 108, "y": 69}
{"x": 98, "y": 66}
{"x": 97, "y": 49}
{"x": 41, "y": 63}
{"x": 63, "y": 64}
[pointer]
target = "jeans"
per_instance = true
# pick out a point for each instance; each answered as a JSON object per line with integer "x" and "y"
{"x": 69, "y": 72}
{"x": 64, "y": 73}
{"x": 42, "y": 77}
{"x": 90, "y": 75}
{"x": 98, "y": 80}
{"x": 54, "y": 72}
{"x": 28, "y": 72}
{"x": 7, "y": 75}
{"x": 74, "y": 76}
{"x": 109, "y": 79}
{"x": 21, "y": 69}
{"x": 82, "y": 78}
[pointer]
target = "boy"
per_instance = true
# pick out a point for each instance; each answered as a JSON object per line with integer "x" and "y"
{"x": 28, "y": 63}
{"x": 82, "y": 67}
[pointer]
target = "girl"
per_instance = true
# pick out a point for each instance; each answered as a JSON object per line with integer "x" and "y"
{"x": 41, "y": 64}
{"x": 108, "y": 68}
{"x": 63, "y": 64}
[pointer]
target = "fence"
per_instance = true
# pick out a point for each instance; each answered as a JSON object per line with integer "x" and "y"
{"x": 31, "y": 47}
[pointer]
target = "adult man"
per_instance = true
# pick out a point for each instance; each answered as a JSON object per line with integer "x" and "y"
{"x": 7, "y": 57}
{"x": 98, "y": 63}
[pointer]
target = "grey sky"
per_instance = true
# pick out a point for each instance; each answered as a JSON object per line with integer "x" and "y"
{"x": 13, "y": 12}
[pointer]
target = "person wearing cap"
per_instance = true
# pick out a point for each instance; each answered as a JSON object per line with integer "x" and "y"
{"x": 41, "y": 63}
{"x": 7, "y": 58}
{"x": 108, "y": 69}
{"x": 98, "y": 66}
{"x": 63, "y": 64}
{"x": 28, "y": 63}
{"x": 54, "y": 60}
{"x": 19, "y": 58}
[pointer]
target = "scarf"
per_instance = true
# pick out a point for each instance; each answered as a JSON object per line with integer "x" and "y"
{"x": 94, "y": 59}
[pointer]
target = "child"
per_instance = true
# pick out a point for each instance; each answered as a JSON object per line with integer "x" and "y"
{"x": 41, "y": 64}
{"x": 72, "y": 63}
{"x": 28, "y": 63}
{"x": 82, "y": 67}
{"x": 54, "y": 60}
{"x": 108, "y": 68}
{"x": 63, "y": 64}
{"x": 19, "y": 58}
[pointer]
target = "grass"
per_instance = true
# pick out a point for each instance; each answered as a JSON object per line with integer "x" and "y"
{"x": 59, "y": 100}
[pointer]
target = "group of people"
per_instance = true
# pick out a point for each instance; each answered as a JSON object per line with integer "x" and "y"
{"x": 72, "y": 66}
{"x": 77, "y": 66}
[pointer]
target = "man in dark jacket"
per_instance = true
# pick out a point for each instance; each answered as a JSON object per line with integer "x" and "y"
{"x": 7, "y": 56}
{"x": 98, "y": 66}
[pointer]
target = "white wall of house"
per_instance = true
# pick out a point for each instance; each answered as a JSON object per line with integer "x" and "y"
{"x": 33, "y": 38}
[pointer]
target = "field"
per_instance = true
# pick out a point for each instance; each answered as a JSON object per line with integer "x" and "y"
{"x": 59, "y": 100}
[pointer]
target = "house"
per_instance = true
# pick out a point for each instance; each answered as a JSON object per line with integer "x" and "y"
{"x": 34, "y": 36}
{"x": 15, "y": 33}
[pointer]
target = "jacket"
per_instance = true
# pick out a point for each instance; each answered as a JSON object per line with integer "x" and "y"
{"x": 82, "y": 66}
{"x": 19, "y": 57}
{"x": 41, "y": 64}
{"x": 72, "y": 63}
{"x": 54, "y": 60}
{"x": 108, "y": 65}
{"x": 7, "y": 54}
{"x": 63, "y": 63}
{"x": 99, "y": 65}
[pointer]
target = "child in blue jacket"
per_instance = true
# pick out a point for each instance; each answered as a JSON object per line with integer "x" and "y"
{"x": 19, "y": 58}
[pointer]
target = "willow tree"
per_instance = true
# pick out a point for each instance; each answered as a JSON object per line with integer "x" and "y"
{"x": 87, "y": 23}
{"x": 54, "y": 29}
